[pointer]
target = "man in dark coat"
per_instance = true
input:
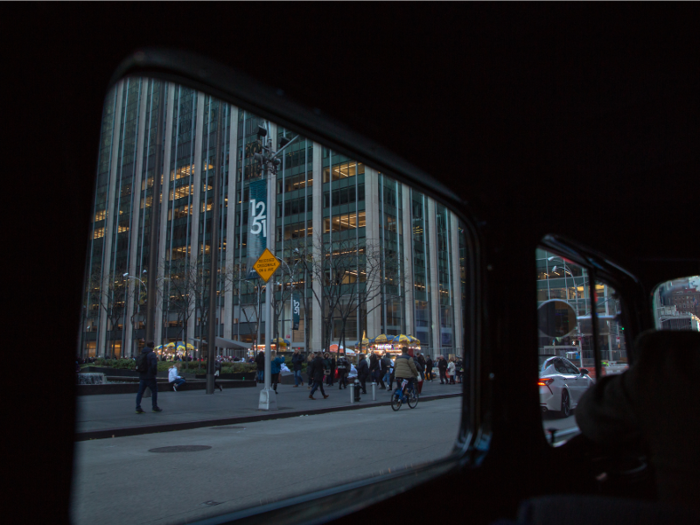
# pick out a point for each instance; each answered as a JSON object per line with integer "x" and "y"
{"x": 331, "y": 377}
{"x": 147, "y": 379}
{"x": 297, "y": 361}
{"x": 317, "y": 375}
{"x": 442, "y": 367}
{"x": 362, "y": 372}
{"x": 343, "y": 369}
{"x": 260, "y": 363}
{"x": 429, "y": 369}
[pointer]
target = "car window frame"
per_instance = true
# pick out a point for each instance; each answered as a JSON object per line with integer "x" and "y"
{"x": 234, "y": 87}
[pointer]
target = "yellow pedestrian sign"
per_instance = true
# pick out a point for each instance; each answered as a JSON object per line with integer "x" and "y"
{"x": 266, "y": 265}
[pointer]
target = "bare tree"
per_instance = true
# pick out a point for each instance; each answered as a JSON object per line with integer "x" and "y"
{"x": 355, "y": 277}
{"x": 111, "y": 294}
{"x": 177, "y": 291}
{"x": 186, "y": 290}
{"x": 248, "y": 291}
{"x": 289, "y": 278}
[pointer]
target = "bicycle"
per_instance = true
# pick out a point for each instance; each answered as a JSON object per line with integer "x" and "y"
{"x": 404, "y": 395}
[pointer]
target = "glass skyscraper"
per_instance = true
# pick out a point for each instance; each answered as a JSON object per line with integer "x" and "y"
{"x": 406, "y": 252}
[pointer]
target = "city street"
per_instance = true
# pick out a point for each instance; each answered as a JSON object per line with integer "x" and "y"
{"x": 123, "y": 480}
{"x": 565, "y": 428}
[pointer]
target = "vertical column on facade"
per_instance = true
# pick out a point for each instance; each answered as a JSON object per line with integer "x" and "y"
{"x": 111, "y": 217}
{"x": 436, "y": 343}
{"x": 458, "y": 336}
{"x": 230, "y": 221}
{"x": 134, "y": 285}
{"x": 407, "y": 263}
{"x": 317, "y": 243}
{"x": 196, "y": 203}
{"x": 372, "y": 221}
{"x": 164, "y": 204}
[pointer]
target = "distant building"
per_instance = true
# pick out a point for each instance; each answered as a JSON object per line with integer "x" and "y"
{"x": 678, "y": 304}
{"x": 319, "y": 194}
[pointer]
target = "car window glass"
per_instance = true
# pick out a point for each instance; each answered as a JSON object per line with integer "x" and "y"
{"x": 677, "y": 304}
{"x": 360, "y": 264}
{"x": 564, "y": 326}
{"x": 570, "y": 369}
{"x": 560, "y": 367}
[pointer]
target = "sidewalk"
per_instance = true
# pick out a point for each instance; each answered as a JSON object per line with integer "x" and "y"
{"x": 113, "y": 415}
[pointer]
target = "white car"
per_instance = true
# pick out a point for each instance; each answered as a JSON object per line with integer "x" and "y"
{"x": 561, "y": 384}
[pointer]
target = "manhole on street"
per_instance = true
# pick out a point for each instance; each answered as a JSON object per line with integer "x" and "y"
{"x": 181, "y": 448}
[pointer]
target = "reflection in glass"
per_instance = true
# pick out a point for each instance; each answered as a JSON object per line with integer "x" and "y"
{"x": 566, "y": 343}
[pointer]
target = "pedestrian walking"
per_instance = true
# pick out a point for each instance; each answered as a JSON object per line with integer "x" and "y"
{"x": 387, "y": 365}
{"x": 429, "y": 369}
{"x": 260, "y": 364}
{"x": 451, "y": 371}
{"x": 217, "y": 373}
{"x": 392, "y": 373}
{"x": 317, "y": 374}
{"x": 330, "y": 379}
{"x": 362, "y": 372}
{"x": 147, "y": 365}
{"x": 420, "y": 366}
{"x": 275, "y": 369}
{"x": 343, "y": 370}
{"x": 442, "y": 369}
{"x": 297, "y": 362}
{"x": 459, "y": 368}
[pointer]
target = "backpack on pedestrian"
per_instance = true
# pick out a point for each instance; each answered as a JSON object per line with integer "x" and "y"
{"x": 142, "y": 363}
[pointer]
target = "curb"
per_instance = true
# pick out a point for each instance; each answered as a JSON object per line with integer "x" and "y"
{"x": 188, "y": 425}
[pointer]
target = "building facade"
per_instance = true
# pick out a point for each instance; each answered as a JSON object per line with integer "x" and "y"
{"x": 361, "y": 253}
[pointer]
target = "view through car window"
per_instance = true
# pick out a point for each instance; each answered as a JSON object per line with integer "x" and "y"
{"x": 566, "y": 348}
{"x": 237, "y": 356}
{"x": 677, "y": 304}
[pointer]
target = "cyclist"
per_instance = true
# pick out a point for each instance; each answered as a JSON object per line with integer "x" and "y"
{"x": 405, "y": 368}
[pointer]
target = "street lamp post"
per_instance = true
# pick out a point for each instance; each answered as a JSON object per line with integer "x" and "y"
{"x": 269, "y": 160}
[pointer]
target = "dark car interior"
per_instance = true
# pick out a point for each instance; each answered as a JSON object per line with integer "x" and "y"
{"x": 569, "y": 130}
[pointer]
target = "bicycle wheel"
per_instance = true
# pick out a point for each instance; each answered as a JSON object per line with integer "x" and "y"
{"x": 395, "y": 401}
{"x": 412, "y": 399}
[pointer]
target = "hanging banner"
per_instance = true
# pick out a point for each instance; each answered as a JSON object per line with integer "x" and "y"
{"x": 296, "y": 305}
{"x": 257, "y": 221}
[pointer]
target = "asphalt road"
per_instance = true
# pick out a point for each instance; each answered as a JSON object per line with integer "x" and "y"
{"x": 565, "y": 428}
{"x": 122, "y": 480}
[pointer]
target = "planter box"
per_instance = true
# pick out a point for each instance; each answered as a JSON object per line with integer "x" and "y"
{"x": 123, "y": 372}
{"x": 238, "y": 376}
{"x": 129, "y": 387}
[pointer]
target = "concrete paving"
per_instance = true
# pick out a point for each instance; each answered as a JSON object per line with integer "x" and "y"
{"x": 111, "y": 415}
{"x": 174, "y": 478}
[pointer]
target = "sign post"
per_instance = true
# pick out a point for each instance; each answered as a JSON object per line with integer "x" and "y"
{"x": 261, "y": 223}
